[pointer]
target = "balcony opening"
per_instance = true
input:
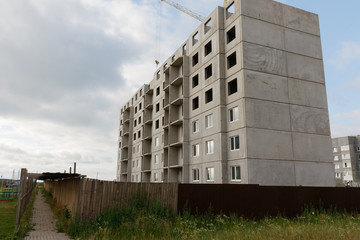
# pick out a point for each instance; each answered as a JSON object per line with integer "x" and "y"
{"x": 230, "y": 10}
{"x": 208, "y": 71}
{"x": 195, "y": 38}
{"x": 231, "y": 60}
{"x": 207, "y": 48}
{"x": 208, "y": 96}
{"x": 232, "y": 87}
{"x": 195, "y": 80}
{"x": 230, "y": 35}
{"x": 195, "y": 103}
{"x": 195, "y": 59}
{"x": 207, "y": 26}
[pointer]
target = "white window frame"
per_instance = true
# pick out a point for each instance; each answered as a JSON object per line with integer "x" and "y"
{"x": 156, "y": 141}
{"x": 345, "y": 148}
{"x": 156, "y": 177}
{"x": 337, "y": 175}
{"x": 210, "y": 174}
{"x": 335, "y": 150}
{"x": 196, "y": 174}
{"x": 196, "y": 126}
{"x": 236, "y": 173}
{"x": 347, "y": 164}
{"x": 336, "y": 158}
{"x": 209, "y": 121}
{"x": 337, "y": 166}
{"x": 234, "y": 114}
{"x": 233, "y": 145}
{"x": 209, "y": 147}
{"x": 196, "y": 150}
{"x": 156, "y": 159}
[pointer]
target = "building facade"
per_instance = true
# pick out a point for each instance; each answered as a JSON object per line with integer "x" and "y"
{"x": 346, "y": 151}
{"x": 243, "y": 100}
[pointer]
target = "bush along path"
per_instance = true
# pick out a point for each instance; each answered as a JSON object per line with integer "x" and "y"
{"x": 44, "y": 222}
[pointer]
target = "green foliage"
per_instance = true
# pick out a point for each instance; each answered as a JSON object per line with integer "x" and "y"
{"x": 25, "y": 222}
{"x": 7, "y": 219}
{"x": 142, "y": 220}
{"x": 63, "y": 215}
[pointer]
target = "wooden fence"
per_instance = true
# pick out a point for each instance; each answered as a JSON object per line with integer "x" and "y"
{"x": 87, "y": 198}
{"x": 27, "y": 185}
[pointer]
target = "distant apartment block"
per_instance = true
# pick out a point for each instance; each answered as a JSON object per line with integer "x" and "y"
{"x": 243, "y": 100}
{"x": 346, "y": 151}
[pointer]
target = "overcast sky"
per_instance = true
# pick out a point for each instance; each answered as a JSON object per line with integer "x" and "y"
{"x": 67, "y": 66}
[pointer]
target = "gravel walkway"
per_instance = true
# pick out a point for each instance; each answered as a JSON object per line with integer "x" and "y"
{"x": 44, "y": 221}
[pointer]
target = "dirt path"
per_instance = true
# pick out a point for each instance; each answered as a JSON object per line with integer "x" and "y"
{"x": 44, "y": 221}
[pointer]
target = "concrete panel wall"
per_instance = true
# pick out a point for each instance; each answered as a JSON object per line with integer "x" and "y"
{"x": 268, "y": 144}
{"x": 314, "y": 174}
{"x": 269, "y": 172}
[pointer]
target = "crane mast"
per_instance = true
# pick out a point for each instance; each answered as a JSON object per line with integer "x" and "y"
{"x": 185, "y": 10}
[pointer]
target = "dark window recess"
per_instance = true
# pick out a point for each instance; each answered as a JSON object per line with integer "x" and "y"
{"x": 207, "y": 26}
{"x": 157, "y": 107}
{"x": 139, "y": 120}
{"x": 135, "y": 123}
{"x": 135, "y": 109}
{"x": 157, "y": 124}
{"x": 208, "y": 48}
{"x": 208, "y": 96}
{"x": 163, "y": 121}
{"x": 195, "y": 38}
{"x": 157, "y": 91}
{"x": 232, "y": 87}
{"x": 140, "y": 93}
{"x": 231, "y": 60}
{"x": 139, "y": 134}
{"x": 195, "y": 59}
{"x": 120, "y": 134}
{"x": 134, "y": 136}
{"x": 158, "y": 75}
{"x": 119, "y": 144}
{"x": 230, "y": 35}
{"x": 230, "y": 10}
{"x": 195, "y": 103}
{"x": 208, "y": 71}
{"x": 139, "y": 106}
{"x": 195, "y": 80}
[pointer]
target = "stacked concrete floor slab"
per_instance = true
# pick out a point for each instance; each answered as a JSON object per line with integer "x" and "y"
{"x": 243, "y": 100}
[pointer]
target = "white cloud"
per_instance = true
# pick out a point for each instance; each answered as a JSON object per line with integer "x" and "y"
{"x": 345, "y": 124}
{"x": 348, "y": 53}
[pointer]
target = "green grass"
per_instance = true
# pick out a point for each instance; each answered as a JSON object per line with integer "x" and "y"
{"x": 7, "y": 219}
{"x": 151, "y": 221}
{"x": 25, "y": 221}
{"x": 63, "y": 215}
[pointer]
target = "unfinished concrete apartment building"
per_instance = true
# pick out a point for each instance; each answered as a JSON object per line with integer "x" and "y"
{"x": 346, "y": 153}
{"x": 243, "y": 100}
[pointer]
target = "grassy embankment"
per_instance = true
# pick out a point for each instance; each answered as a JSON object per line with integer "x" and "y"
{"x": 8, "y": 216}
{"x": 151, "y": 221}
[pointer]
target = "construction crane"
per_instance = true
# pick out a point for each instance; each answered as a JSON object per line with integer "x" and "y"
{"x": 185, "y": 10}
